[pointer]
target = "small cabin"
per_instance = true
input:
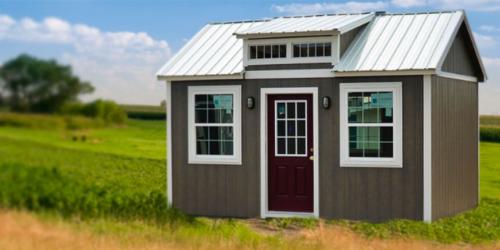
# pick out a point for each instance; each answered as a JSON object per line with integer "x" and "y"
{"x": 370, "y": 116}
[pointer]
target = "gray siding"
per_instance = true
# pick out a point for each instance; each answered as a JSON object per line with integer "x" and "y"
{"x": 460, "y": 58}
{"x": 347, "y": 38}
{"x": 374, "y": 194}
{"x": 454, "y": 146}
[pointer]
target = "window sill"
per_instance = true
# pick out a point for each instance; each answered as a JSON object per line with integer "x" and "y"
{"x": 365, "y": 163}
{"x": 218, "y": 160}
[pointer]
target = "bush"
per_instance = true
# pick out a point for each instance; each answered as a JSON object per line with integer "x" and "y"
{"x": 107, "y": 111}
{"x": 490, "y": 133}
{"x": 36, "y": 121}
{"x": 145, "y": 112}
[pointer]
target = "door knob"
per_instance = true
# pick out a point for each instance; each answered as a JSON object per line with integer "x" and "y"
{"x": 311, "y": 157}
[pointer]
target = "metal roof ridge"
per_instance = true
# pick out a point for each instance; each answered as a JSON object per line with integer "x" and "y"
{"x": 422, "y": 12}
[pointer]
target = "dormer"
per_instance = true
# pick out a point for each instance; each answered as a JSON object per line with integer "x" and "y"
{"x": 310, "y": 40}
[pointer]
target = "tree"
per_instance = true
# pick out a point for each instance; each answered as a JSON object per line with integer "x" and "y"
{"x": 36, "y": 85}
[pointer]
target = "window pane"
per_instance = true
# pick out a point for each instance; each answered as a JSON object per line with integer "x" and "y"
{"x": 227, "y": 148}
{"x": 386, "y": 150}
{"x": 290, "y": 110}
{"x": 371, "y": 149}
{"x": 301, "y": 110}
{"x": 214, "y": 148}
{"x": 227, "y": 115}
{"x": 281, "y": 146}
{"x": 301, "y": 128}
{"x": 253, "y": 52}
{"x": 282, "y": 51}
{"x": 281, "y": 128}
{"x": 281, "y": 110}
{"x": 267, "y": 51}
{"x": 328, "y": 49}
{"x": 223, "y": 101}
{"x": 291, "y": 146}
{"x": 226, "y": 133}
{"x": 276, "y": 51}
{"x": 214, "y": 133}
{"x": 291, "y": 128}
{"x": 301, "y": 146}
{"x": 355, "y": 149}
{"x": 202, "y": 147}
{"x": 210, "y": 101}
{"x": 319, "y": 49}
{"x": 357, "y": 134}
{"x": 386, "y": 104}
{"x": 312, "y": 49}
{"x": 386, "y": 134}
{"x": 372, "y": 134}
{"x": 355, "y": 115}
{"x": 202, "y": 133}
{"x": 260, "y": 51}
{"x": 200, "y": 101}
{"x": 370, "y": 107}
{"x": 214, "y": 116}
{"x": 303, "y": 50}
{"x": 296, "y": 50}
{"x": 201, "y": 116}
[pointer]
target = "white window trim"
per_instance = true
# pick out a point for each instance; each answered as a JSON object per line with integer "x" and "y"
{"x": 397, "y": 160}
{"x": 234, "y": 159}
{"x": 289, "y": 59}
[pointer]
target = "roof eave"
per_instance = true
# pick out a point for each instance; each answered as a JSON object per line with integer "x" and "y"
{"x": 287, "y": 34}
{"x": 178, "y": 78}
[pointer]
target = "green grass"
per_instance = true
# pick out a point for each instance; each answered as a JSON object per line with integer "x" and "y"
{"x": 116, "y": 175}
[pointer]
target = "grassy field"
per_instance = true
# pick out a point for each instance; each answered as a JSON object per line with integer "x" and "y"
{"x": 112, "y": 180}
{"x": 146, "y": 112}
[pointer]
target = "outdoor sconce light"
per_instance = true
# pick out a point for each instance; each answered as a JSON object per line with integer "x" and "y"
{"x": 250, "y": 102}
{"x": 326, "y": 102}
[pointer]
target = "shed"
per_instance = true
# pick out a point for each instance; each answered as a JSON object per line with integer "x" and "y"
{"x": 368, "y": 116}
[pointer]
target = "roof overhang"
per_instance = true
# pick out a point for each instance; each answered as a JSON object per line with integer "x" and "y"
{"x": 288, "y": 34}
{"x": 199, "y": 77}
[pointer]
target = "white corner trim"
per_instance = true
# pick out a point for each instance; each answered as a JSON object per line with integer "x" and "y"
{"x": 264, "y": 92}
{"x": 456, "y": 76}
{"x": 397, "y": 160}
{"x": 286, "y": 74}
{"x": 194, "y": 158}
{"x": 169, "y": 144}
{"x": 427, "y": 199}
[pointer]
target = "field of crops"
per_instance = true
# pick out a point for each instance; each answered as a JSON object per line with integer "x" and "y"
{"x": 117, "y": 175}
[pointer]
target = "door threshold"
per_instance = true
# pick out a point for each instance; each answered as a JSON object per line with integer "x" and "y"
{"x": 288, "y": 214}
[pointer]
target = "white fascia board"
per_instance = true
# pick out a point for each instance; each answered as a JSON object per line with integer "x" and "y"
{"x": 356, "y": 24}
{"x": 288, "y": 34}
{"x": 284, "y": 74}
{"x": 200, "y": 78}
{"x": 385, "y": 73}
{"x": 456, "y": 76}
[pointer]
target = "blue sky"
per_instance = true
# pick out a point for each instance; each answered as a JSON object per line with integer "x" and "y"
{"x": 118, "y": 45}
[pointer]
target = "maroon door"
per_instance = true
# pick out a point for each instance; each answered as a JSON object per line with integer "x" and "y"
{"x": 290, "y": 150}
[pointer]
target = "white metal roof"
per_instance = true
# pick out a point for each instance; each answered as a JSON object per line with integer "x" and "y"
{"x": 402, "y": 42}
{"x": 300, "y": 24}
{"x": 214, "y": 51}
{"x": 390, "y": 42}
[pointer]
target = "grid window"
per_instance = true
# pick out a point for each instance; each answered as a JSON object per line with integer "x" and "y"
{"x": 290, "y": 128}
{"x": 214, "y": 124}
{"x": 312, "y": 49}
{"x": 370, "y": 122}
{"x": 267, "y": 51}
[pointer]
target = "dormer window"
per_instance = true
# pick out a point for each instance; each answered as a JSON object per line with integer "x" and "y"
{"x": 312, "y": 49}
{"x": 268, "y": 51}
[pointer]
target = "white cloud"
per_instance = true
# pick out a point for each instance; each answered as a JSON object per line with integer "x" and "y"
{"x": 489, "y": 28}
{"x": 121, "y": 65}
{"x": 408, "y": 3}
{"x": 317, "y": 8}
{"x": 484, "y": 41}
{"x": 490, "y": 90}
{"x": 475, "y": 5}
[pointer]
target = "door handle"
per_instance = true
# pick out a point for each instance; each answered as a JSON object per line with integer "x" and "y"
{"x": 311, "y": 157}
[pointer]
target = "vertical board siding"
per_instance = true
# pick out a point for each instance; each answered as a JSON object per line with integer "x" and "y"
{"x": 460, "y": 58}
{"x": 347, "y": 38}
{"x": 374, "y": 194}
{"x": 454, "y": 145}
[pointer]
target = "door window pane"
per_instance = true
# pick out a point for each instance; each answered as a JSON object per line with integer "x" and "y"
{"x": 291, "y": 146}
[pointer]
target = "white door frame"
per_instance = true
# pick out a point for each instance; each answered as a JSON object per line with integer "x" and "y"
{"x": 264, "y": 209}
